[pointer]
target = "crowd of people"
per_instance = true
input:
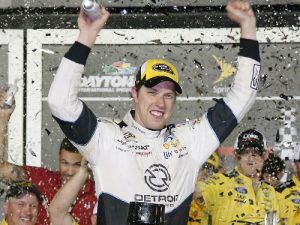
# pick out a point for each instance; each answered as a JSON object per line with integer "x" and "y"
{"x": 46, "y": 181}
{"x": 251, "y": 193}
{"x": 117, "y": 172}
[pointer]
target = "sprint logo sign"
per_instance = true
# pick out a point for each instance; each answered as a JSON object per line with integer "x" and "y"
{"x": 227, "y": 70}
{"x": 118, "y": 77}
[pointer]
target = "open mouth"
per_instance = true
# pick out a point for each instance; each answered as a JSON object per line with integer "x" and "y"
{"x": 26, "y": 219}
{"x": 157, "y": 114}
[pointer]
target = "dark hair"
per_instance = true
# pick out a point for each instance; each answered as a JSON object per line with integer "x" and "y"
{"x": 273, "y": 165}
{"x": 68, "y": 146}
{"x": 210, "y": 167}
{"x": 137, "y": 88}
{"x": 20, "y": 188}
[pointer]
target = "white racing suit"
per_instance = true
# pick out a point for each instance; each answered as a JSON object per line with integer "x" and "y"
{"x": 132, "y": 163}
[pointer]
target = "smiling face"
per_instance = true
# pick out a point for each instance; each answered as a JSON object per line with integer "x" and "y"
{"x": 21, "y": 210}
{"x": 154, "y": 106}
{"x": 250, "y": 163}
{"x": 69, "y": 164}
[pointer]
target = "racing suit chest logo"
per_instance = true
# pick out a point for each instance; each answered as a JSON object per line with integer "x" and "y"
{"x": 130, "y": 144}
{"x": 157, "y": 178}
{"x": 172, "y": 145}
{"x": 241, "y": 190}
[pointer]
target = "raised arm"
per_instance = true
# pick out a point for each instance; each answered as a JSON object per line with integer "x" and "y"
{"x": 8, "y": 172}
{"x": 62, "y": 201}
{"x": 243, "y": 92}
{"x": 74, "y": 117}
{"x": 222, "y": 118}
{"x": 229, "y": 111}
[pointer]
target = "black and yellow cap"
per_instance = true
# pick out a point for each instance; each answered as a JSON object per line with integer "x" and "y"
{"x": 154, "y": 71}
{"x": 20, "y": 188}
{"x": 250, "y": 139}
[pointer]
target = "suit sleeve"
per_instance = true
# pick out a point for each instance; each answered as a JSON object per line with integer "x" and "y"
{"x": 76, "y": 120}
{"x": 228, "y": 112}
{"x": 222, "y": 118}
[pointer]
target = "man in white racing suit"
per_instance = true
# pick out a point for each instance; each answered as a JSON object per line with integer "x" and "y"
{"x": 141, "y": 158}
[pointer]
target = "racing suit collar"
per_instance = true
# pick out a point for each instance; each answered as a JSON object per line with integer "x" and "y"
{"x": 140, "y": 130}
{"x": 246, "y": 179}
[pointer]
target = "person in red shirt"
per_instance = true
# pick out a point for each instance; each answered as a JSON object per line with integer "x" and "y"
{"x": 48, "y": 182}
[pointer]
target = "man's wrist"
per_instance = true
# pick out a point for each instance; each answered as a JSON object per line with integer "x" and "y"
{"x": 87, "y": 38}
{"x": 248, "y": 29}
{"x": 84, "y": 172}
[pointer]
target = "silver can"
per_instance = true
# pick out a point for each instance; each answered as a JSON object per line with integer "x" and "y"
{"x": 271, "y": 218}
{"x": 91, "y": 8}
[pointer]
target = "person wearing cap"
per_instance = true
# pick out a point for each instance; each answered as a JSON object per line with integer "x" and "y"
{"x": 240, "y": 197}
{"x": 197, "y": 215}
{"x": 22, "y": 202}
{"x": 48, "y": 181}
{"x": 143, "y": 159}
{"x": 289, "y": 194}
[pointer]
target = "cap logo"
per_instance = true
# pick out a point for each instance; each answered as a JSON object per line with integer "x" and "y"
{"x": 251, "y": 136}
{"x": 163, "y": 68}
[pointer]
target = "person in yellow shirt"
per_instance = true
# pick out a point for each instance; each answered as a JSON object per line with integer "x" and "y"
{"x": 296, "y": 219}
{"x": 289, "y": 193}
{"x": 63, "y": 199}
{"x": 290, "y": 200}
{"x": 197, "y": 215}
{"x": 239, "y": 197}
{"x": 272, "y": 172}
